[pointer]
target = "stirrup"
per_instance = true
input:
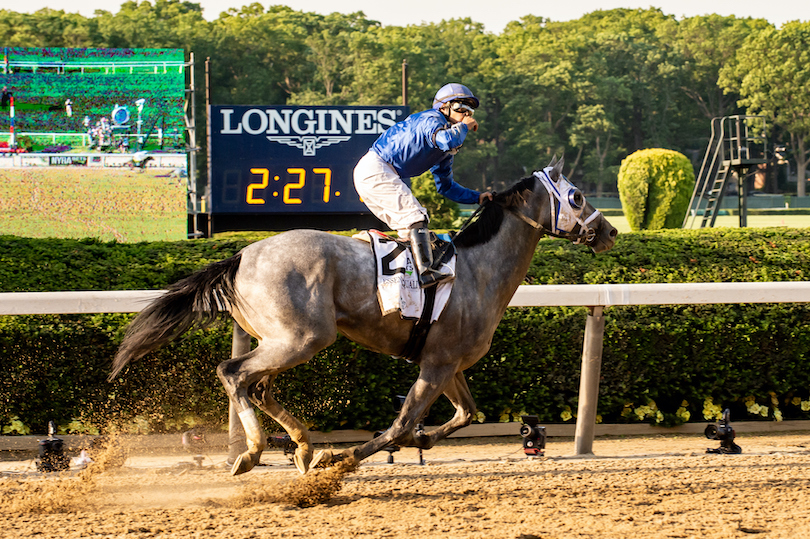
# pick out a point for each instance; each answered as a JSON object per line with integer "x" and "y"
{"x": 433, "y": 277}
{"x": 430, "y": 271}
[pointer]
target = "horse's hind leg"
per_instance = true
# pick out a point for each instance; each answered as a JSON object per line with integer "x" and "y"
{"x": 236, "y": 382}
{"x": 261, "y": 394}
{"x": 241, "y": 373}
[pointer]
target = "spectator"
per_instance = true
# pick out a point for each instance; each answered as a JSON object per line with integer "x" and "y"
{"x": 5, "y": 100}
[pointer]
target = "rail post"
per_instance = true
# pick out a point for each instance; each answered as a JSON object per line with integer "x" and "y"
{"x": 589, "y": 381}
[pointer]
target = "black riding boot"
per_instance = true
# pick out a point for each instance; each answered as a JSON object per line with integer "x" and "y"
{"x": 423, "y": 256}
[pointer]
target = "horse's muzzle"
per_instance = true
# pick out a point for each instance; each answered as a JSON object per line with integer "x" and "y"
{"x": 605, "y": 239}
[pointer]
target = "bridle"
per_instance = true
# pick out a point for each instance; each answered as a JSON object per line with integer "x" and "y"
{"x": 566, "y": 204}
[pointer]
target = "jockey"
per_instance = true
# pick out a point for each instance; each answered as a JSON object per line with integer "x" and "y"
{"x": 427, "y": 140}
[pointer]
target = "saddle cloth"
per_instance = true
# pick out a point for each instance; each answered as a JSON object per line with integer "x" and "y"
{"x": 398, "y": 280}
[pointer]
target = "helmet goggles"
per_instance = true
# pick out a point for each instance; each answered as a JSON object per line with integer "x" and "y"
{"x": 464, "y": 107}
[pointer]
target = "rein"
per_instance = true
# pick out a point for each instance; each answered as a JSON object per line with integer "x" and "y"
{"x": 467, "y": 223}
{"x": 587, "y": 233}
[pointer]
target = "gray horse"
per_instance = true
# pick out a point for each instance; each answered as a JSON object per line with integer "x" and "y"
{"x": 295, "y": 291}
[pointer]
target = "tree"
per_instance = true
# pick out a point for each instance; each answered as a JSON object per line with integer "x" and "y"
{"x": 627, "y": 45}
{"x": 144, "y": 25}
{"x": 539, "y": 85}
{"x": 594, "y": 127}
{"x": 330, "y": 51}
{"x": 708, "y": 43}
{"x": 260, "y": 57}
{"x": 772, "y": 74}
{"x": 46, "y": 28}
{"x": 591, "y": 89}
{"x": 610, "y": 79}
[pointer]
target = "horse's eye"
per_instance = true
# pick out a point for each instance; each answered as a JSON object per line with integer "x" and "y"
{"x": 576, "y": 199}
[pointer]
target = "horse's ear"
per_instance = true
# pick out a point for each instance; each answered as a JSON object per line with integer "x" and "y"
{"x": 557, "y": 166}
{"x": 553, "y": 160}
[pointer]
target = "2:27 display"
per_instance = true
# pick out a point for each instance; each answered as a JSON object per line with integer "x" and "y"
{"x": 290, "y": 192}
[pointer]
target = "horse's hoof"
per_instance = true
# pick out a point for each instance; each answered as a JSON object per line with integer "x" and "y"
{"x": 421, "y": 440}
{"x": 322, "y": 459}
{"x": 303, "y": 460}
{"x": 244, "y": 463}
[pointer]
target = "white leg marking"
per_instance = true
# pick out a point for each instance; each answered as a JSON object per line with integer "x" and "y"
{"x": 251, "y": 425}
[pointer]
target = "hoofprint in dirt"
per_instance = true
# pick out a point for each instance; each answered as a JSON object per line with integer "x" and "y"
{"x": 665, "y": 487}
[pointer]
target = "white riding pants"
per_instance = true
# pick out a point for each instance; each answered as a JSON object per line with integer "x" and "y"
{"x": 386, "y": 195}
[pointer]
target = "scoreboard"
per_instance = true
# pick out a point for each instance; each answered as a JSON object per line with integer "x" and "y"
{"x": 291, "y": 159}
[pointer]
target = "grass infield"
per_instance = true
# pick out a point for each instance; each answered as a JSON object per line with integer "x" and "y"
{"x": 108, "y": 204}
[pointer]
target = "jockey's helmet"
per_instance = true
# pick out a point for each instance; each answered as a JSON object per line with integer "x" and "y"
{"x": 454, "y": 92}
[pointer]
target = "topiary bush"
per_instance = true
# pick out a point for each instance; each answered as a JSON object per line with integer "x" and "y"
{"x": 655, "y": 186}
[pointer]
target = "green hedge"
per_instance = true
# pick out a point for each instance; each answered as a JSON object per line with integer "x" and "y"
{"x": 750, "y": 358}
{"x": 654, "y": 187}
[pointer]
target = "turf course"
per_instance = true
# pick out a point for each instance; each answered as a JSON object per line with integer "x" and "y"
{"x": 108, "y": 204}
{"x": 733, "y": 221}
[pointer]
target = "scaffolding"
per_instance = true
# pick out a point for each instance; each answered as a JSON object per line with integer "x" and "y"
{"x": 737, "y": 144}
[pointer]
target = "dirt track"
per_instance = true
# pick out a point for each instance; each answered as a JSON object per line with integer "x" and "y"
{"x": 663, "y": 487}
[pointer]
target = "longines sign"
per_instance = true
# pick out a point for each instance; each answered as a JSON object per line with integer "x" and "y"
{"x": 291, "y": 159}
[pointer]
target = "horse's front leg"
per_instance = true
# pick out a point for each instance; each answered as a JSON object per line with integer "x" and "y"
{"x": 459, "y": 394}
{"x": 430, "y": 384}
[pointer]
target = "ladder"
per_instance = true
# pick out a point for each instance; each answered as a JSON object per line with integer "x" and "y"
{"x": 737, "y": 143}
{"x": 714, "y": 196}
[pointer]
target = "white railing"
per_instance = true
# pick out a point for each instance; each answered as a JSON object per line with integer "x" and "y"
{"x": 595, "y": 297}
{"x": 84, "y": 302}
{"x": 565, "y": 295}
{"x": 53, "y": 136}
{"x": 84, "y": 137}
{"x": 64, "y": 67}
{"x": 100, "y": 160}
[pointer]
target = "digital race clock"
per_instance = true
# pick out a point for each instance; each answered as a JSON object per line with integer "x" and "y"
{"x": 280, "y": 159}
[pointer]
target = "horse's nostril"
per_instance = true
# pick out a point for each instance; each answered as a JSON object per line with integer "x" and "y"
{"x": 614, "y": 233}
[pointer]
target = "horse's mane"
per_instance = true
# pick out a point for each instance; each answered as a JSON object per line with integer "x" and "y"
{"x": 489, "y": 220}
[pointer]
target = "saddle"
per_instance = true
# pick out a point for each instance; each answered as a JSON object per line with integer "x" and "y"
{"x": 398, "y": 289}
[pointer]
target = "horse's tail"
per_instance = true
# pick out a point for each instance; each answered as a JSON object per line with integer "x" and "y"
{"x": 197, "y": 300}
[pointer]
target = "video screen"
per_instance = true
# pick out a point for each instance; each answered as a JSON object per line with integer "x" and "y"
{"x": 93, "y": 143}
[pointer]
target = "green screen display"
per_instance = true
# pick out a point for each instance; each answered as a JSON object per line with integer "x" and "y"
{"x": 92, "y": 143}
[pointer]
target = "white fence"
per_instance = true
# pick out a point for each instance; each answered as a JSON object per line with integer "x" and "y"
{"x": 595, "y": 297}
{"x": 566, "y": 295}
{"x": 105, "y": 160}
